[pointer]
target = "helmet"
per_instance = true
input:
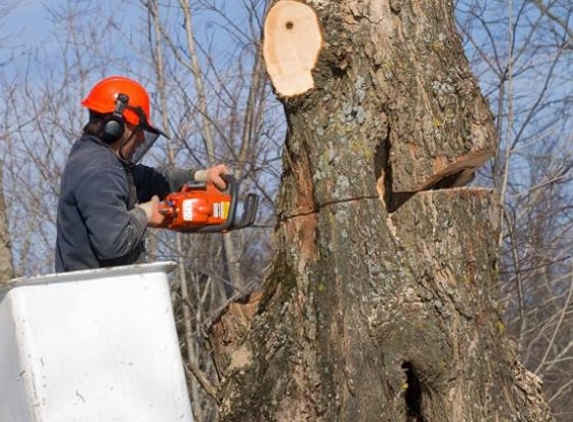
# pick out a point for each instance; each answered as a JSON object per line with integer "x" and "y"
{"x": 103, "y": 96}
{"x": 121, "y": 96}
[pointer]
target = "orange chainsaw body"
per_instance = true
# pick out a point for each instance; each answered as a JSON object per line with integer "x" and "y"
{"x": 195, "y": 206}
{"x": 202, "y": 207}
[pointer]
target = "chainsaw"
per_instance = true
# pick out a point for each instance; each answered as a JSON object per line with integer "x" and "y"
{"x": 201, "y": 207}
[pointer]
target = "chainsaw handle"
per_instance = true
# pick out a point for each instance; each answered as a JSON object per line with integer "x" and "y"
{"x": 233, "y": 188}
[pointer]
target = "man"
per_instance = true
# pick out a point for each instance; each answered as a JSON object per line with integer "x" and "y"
{"x": 107, "y": 200}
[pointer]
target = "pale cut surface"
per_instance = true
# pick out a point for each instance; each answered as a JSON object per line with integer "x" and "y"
{"x": 292, "y": 42}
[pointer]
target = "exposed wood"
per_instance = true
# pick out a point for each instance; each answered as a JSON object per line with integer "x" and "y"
{"x": 292, "y": 42}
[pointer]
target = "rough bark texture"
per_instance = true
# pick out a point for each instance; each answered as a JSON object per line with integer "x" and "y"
{"x": 381, "y": 300}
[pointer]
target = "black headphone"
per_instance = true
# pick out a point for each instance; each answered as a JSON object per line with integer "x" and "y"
{"x": 113, "y": 125}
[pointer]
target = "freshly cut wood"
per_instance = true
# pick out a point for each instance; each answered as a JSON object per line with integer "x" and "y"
{"x": 292, "y": 42}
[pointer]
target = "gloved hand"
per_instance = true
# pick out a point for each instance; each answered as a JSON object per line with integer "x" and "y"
{"x": 151, "y": 208}
{"x": 213, "y": 175}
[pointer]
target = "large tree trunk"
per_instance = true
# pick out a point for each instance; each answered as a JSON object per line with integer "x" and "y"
{"x": 381, "y": 300}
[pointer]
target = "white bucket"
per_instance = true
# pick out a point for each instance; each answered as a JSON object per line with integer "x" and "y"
{"x": 92, "y": 346}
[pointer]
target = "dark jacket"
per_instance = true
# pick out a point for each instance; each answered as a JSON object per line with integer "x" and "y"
{"x": 98, "y": 224}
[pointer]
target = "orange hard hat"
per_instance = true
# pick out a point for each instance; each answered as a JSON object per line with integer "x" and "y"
{"x": 103, "y": 96}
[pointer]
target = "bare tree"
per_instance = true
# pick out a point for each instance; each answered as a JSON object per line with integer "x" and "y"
{"x": 522, "y": 53}
{"x": 6, "y": 128}
{"x": 223, "y": 108}
{"x": 211, "y": 97}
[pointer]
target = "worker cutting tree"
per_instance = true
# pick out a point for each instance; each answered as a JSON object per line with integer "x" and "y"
{"x": 108, "y": 200}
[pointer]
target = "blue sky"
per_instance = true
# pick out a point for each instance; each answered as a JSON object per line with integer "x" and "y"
{"x": 26, "y": 26}
{"x": 29, "y": 21}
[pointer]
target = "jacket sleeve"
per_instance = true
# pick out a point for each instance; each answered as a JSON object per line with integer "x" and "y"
{"x": 151, "y": 181}
{"x": 102, "y": 199}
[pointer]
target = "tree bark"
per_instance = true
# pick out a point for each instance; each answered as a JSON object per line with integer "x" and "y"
{"x": 380, "y": 303}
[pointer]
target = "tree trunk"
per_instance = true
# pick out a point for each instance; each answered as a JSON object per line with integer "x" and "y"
{"x": 6, "y": 266}
{"x": 380, "y": 303}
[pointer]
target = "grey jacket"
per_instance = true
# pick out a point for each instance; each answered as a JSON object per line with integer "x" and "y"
{"x": 98, "y": 224}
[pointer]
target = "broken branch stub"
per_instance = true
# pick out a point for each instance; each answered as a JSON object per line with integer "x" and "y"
{"x": 292, "y": 42}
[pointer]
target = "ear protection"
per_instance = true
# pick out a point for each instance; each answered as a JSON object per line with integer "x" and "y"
{"x": 113, "y": 125}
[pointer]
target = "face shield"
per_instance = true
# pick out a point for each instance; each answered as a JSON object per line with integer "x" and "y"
{"x": 142, "y": 138}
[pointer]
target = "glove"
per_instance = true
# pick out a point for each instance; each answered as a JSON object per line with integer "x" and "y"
{"x": 151, "y": 208}
{"x": 213, "y": 175}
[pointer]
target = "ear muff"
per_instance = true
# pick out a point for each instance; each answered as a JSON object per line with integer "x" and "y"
{"x": 113, "y": 125}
